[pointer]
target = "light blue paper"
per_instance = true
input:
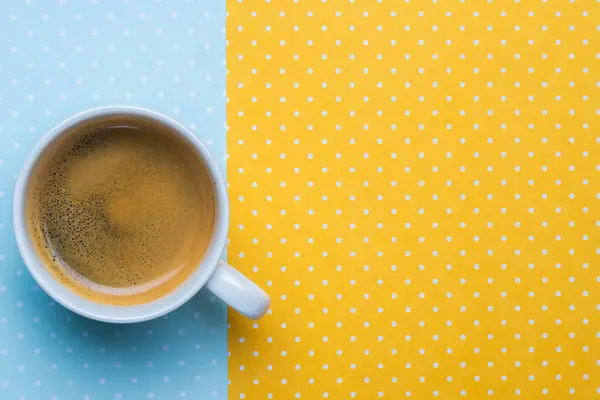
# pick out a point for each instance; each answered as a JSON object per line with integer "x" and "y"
{"x": 59, "y": 58}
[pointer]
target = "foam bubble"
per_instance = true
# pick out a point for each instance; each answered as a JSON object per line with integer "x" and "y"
{"x": 122, "y": 209}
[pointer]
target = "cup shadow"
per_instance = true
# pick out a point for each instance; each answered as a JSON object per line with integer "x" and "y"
{"x": 178, "y": 350}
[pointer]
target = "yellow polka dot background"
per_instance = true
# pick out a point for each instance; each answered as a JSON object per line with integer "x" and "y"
{"x": 416, "y": 185}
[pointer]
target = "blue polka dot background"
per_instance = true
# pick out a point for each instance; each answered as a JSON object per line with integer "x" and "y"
{"x": 60, "y": 58}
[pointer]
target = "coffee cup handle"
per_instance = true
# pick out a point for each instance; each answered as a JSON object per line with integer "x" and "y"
{"x": 239, "y": 292}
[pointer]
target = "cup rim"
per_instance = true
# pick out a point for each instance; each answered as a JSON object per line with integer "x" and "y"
{"x": 106, "y": 312}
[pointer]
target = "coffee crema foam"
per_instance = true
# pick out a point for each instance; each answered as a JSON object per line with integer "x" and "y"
{"x": 121, "y": 214}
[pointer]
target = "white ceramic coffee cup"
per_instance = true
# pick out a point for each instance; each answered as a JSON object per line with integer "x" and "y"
{"x": 224, "y": 281}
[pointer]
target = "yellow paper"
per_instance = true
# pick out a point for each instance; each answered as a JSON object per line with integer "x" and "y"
{"x": 416, "y": 185}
